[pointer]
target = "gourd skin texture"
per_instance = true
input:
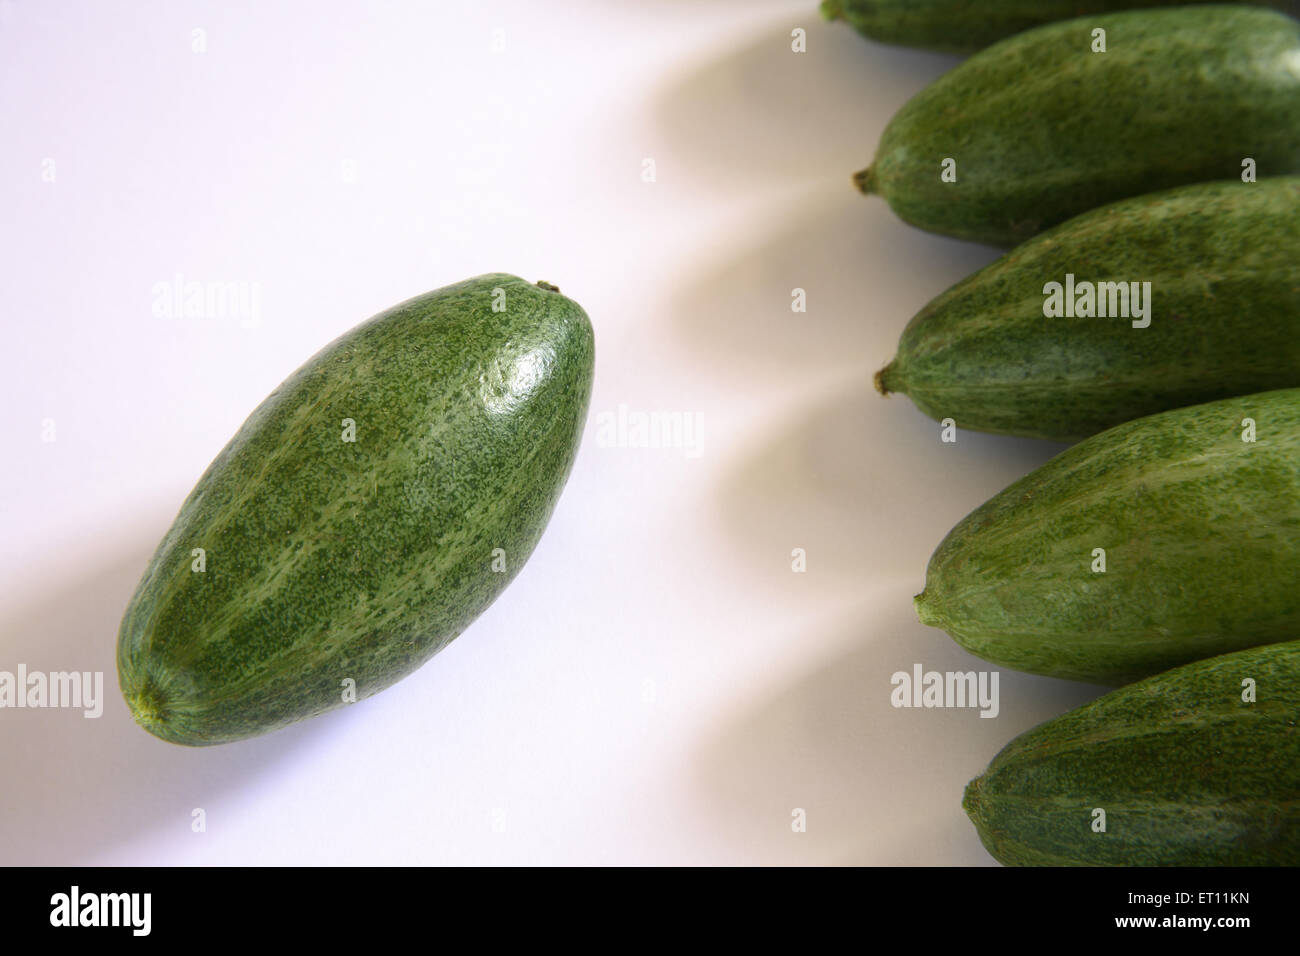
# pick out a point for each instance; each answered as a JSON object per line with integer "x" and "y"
{"x": 1223, "y": 260}
{"x": 1201, "y": 532}
{"x": 1187, "y": 773}
{"x": 1042, "y": 129}
{"x": 329, "y": 559}
{"x": 964, "y": 26}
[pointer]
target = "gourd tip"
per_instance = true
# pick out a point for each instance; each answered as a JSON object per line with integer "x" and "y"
{"x": 147, "y": 710}
{"x": 925, "y": 610}
{"x": 148, "y": 703}
{"x": 865, "y": 180}
{"x": 882, "y": 382}
{"x": 970, "y": 800}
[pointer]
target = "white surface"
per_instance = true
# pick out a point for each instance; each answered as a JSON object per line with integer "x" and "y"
{"x": 657, "y": 686}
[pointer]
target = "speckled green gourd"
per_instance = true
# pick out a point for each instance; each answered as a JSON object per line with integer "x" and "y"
{"x": 1223, "y": 260}
{"x": 1201, "y": 538}
{"x": 328, "y": 560}
{"x": 964, "y": 26}
{"x": 1041, "y": 128}
{"x": 1187, "y": 772}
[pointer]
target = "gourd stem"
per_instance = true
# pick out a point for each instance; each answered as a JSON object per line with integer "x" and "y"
{"x": 866, "y": 180}
{"x": 883, "y": 379}
{"x": 925, "y": 611}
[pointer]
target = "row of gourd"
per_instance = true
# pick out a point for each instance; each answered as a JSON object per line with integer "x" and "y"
{"x": 1143, "y": 166}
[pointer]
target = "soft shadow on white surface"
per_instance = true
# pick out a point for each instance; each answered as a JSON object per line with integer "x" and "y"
{"x": 765, "y": 121}
{"x": 864, "y": 486}
{"x": 863, "y": 272}
{"x": 861, "y": 485}
{"x": 878, "y": 784}
{"x": 765, "y": 112}
{"x": 75, "y": 787}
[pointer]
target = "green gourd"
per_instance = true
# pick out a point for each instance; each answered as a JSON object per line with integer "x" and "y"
{"x": 964, "y": 26}
{"x": 1039, "y": 128}
{"x": 1197, "y": 766}
{"x": 1158, "y": 542}
{"x": 366, "y": 512}
{"x": 1215, "y": 267}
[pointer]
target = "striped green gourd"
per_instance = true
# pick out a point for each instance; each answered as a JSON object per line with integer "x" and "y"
{"x": 1158, "y": 542}
{"x": 366, "y": 512}
{"x": 1223, "y": 316}
{"x": 1198, "y": 766}
{"x": 964, "y": 26}
{"x": 1039, "y": 128}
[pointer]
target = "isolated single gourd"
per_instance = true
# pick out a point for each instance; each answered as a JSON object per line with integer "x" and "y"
{"x": 1158, "y": 542}
{"x": 1039, "y": 128}
{"x": 369, "y": 509}
{"x": 1198, "y": 766}
{"x": 1217, "y": 267}
{"x": 963, "y": 26}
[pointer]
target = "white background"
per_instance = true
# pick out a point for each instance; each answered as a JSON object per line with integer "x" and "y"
{"x": 657, "y": 686}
